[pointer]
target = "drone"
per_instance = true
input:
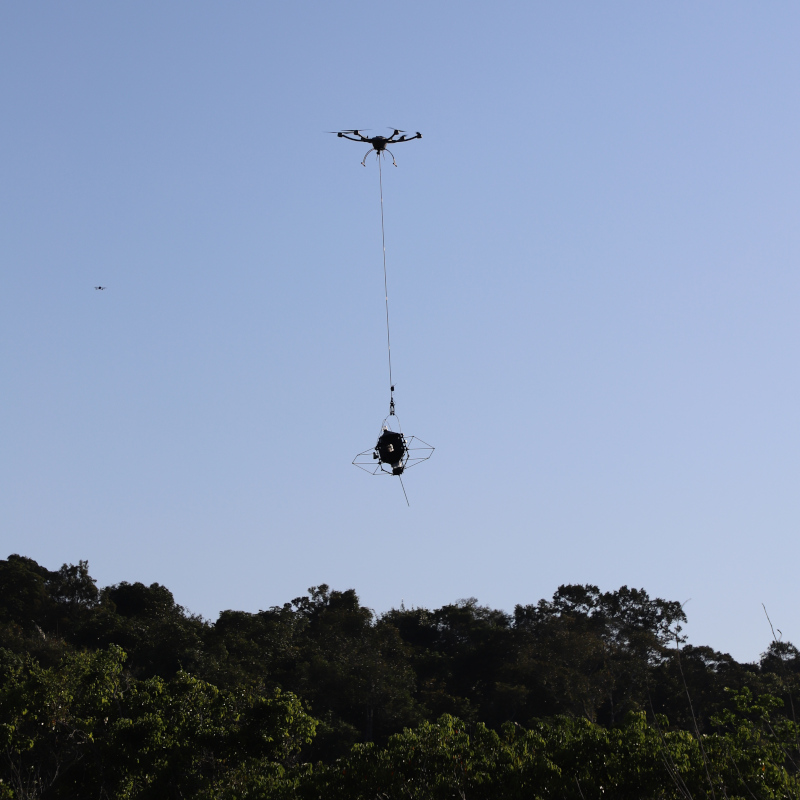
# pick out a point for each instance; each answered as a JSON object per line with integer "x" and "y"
{"x": 101, "y": 288}
{"x": 378, "y": 142}
{"x": 393, "y": 453}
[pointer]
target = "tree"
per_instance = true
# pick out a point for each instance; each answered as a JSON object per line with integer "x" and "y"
{"x": 354, "y": 673}
{"x": 457, "y": 652}
{"x": 83, "y": 729}
{"x": 591, "y": 653}
{"x": 160, "y": 637}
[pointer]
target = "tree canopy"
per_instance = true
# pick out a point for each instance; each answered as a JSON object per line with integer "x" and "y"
{"x": 121, "y": 692}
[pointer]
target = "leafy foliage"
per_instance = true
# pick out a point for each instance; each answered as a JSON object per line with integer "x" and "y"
{"x": 122, "y": 693}
{"x": 84, "y": 729}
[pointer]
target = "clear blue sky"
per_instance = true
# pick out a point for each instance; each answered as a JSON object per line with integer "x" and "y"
{"x": 593, "y": 272}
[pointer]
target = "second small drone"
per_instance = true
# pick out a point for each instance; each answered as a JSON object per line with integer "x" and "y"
{"x": 378, "y": 142}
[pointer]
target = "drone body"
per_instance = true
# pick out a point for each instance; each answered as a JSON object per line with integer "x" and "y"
{"x": 378, "y": 142}
{"x": 101, "y": 288}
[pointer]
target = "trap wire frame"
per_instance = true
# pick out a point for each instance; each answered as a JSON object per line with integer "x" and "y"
{"x": 417, "y": 451}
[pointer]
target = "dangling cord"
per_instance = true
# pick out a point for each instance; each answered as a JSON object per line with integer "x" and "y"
{"x": 386, "y": 292}
{"x": 404, "y": 491}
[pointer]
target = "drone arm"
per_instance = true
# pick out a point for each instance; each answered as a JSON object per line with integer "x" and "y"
{"x": 408, "y": 138}
{"x": 360, "y": 137}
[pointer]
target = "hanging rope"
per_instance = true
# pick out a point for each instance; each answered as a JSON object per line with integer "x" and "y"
{"x": 386, "y": 291}
{"x": 404, "y": 491}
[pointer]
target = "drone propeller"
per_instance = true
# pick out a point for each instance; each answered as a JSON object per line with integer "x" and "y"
{"x": 356, "y": 131}
{"x": 417, "y": 135}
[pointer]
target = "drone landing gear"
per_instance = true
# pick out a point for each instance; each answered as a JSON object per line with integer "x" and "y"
{"x": 378, "y": 154}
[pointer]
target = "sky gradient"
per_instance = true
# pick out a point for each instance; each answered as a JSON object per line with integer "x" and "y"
{"x": 592, "y": 259}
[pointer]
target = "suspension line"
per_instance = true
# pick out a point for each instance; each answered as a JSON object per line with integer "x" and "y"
{"x": 386, "y": 292}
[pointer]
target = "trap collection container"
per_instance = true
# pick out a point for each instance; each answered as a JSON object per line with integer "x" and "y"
{"x": 391, "y": 449}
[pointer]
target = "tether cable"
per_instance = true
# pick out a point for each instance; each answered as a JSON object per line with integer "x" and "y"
{"x": 386, "y": 293}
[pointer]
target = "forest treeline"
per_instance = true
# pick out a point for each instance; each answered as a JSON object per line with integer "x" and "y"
{"x": 119, "y": 692}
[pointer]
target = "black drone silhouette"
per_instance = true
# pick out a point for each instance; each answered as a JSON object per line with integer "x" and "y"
{"x": 101, "y": 288}
{"x": 378, "y": 142}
